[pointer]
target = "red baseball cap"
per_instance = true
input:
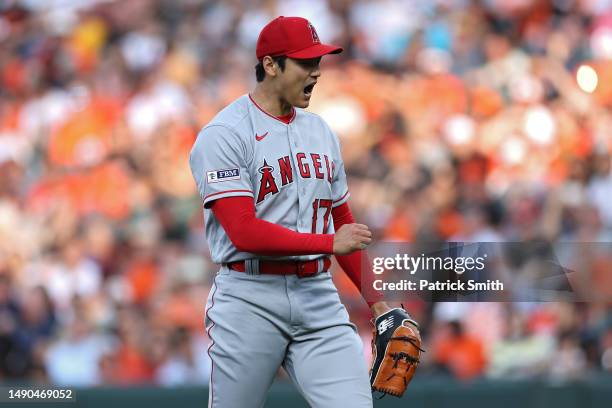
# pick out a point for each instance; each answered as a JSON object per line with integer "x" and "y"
{"x": 294, "y": 37}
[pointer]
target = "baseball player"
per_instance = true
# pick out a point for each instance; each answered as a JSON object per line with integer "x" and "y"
{"x": 275, "y": 194}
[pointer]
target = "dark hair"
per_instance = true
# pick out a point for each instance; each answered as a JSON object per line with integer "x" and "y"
{"x": 260, "y": 73}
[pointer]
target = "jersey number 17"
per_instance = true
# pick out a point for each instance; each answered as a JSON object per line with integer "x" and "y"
{"x": 317, "y": 204}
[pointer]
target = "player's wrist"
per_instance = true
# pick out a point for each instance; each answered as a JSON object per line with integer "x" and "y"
{"x": 379, "y": 308}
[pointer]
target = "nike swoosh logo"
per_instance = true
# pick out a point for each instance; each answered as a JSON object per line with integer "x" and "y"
{"x": 259, "y": 138}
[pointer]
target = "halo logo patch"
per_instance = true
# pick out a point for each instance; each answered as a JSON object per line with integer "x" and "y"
{"x": 313, "y": 32}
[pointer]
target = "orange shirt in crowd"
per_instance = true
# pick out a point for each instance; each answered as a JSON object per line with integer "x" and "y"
{"x": 132, "y": 367}
{"x": 462, "y": 355}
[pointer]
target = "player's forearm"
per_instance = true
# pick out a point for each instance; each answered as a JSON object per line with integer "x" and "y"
{"x": 351, "y": 264}
{"x": 251, "y": 234}
{"x": 265, "y": 238}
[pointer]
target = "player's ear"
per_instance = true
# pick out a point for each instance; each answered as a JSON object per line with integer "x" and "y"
{"x": 270, "y": 66}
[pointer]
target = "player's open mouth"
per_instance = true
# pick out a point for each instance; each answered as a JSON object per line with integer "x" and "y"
{"x": 308, "y": 89}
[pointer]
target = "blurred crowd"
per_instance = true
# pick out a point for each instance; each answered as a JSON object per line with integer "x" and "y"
{"x": 460, "y": 120}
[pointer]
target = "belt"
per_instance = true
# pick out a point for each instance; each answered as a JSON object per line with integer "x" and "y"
{"x": 299, "y": 268}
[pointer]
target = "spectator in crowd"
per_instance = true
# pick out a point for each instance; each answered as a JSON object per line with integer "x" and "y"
{"x": 459, "y": 354}
{"x": 187, "y": 361}
{"x": 75, "y": 358}
{"x": 536, "y": 350}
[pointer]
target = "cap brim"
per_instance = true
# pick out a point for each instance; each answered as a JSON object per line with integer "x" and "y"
{"x": 315, "y": 51}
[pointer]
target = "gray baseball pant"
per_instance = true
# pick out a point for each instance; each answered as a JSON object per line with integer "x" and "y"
{"x": 258, "y": 323}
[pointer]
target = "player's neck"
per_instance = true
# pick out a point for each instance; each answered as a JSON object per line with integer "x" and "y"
{"x": 269, "y": 101}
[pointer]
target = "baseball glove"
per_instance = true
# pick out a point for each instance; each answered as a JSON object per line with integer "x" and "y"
{"x": 396, "y": 348}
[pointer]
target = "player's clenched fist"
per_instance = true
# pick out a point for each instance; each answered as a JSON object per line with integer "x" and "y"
{"x": 350, "y": 238}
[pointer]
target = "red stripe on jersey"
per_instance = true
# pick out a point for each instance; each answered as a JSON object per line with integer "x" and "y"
{"x": 341, "y": 198}
{"x": 212, "y": 342}
{"x": 227, "y": 191}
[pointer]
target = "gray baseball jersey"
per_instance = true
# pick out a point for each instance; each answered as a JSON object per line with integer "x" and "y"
{"x": 257, "y": 323}
{"x": 294, "y": 172}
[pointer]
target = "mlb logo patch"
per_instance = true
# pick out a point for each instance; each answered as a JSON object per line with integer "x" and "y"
{"x": 217, "y": 176}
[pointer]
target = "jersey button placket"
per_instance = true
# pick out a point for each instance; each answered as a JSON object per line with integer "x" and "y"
{"x": 294, "y": 143}
{"x": 293, "y": 137}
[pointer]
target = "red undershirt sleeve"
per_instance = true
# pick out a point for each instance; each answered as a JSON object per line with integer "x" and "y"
{"x": 251, "y": 234}
{"x": 351, "y": 264}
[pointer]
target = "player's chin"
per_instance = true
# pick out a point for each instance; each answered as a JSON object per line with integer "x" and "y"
{"x": 303, "y": 100}
{"x": 300, "y": 98}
